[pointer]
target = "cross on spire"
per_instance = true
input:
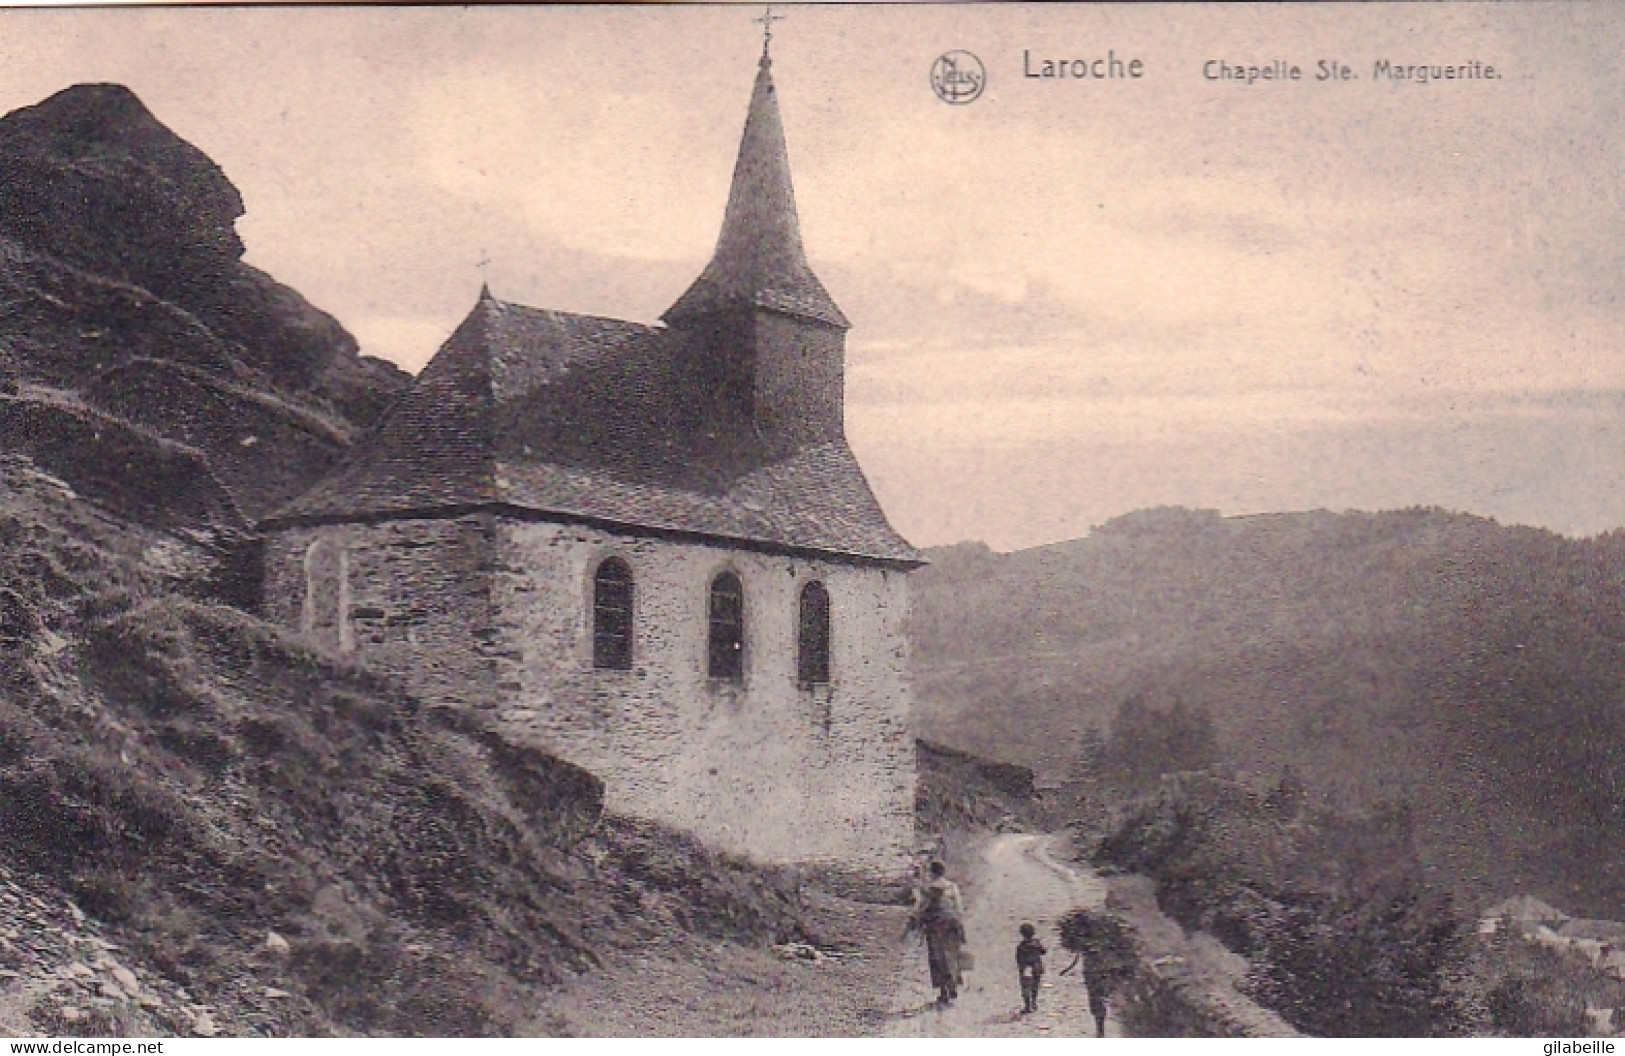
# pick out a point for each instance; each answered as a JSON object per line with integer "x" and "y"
{"x": 483, "y": 263}
{"x": 766, "y": 22}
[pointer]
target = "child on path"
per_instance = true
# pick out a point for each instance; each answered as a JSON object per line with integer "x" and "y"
{"x": 1030, "y": 967}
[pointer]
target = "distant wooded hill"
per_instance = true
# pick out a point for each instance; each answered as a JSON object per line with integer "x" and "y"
{"x": 1474, "y": 669}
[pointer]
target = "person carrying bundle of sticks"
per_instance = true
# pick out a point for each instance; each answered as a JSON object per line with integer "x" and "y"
{"x": 1104, "y": 945}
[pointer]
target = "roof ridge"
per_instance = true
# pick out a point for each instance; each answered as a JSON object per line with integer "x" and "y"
{"x": 442, "y": 421}
{"x": 531, "y": 309}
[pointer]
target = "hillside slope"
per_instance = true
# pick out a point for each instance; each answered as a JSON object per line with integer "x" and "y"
{"x": 194, "y": 781}
{"x": 208, "y": 827}
{"x": 1471, "y": 668}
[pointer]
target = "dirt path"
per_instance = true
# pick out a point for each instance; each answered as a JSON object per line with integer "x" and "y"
{"x": 1020, "y": 880}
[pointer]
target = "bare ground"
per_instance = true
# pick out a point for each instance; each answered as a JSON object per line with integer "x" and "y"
{"x": 872, "y": 983}
{"x": 685, "y": 986}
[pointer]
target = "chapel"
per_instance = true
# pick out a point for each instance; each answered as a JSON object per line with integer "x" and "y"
{"x": 647, "y": 550}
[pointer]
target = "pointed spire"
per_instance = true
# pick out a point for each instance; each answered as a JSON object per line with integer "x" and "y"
{"x": 759, "y": 260}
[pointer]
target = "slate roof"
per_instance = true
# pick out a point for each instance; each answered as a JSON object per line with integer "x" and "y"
{"x": 759, "y": 260}
{"x": 580, "y": 417}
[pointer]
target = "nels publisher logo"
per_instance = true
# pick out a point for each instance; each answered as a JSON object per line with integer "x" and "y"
{"x": 958, "y": 77}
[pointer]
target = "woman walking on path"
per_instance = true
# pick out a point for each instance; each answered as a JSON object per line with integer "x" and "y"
{"x": 940, "y": 916}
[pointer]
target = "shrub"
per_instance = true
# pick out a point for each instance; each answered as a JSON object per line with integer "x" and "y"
{"x": 1355, "y": 946}
{"x": 1148, "y": 742}
{"x": 1541, "y": 992}
{"x": 1384, "y": 964}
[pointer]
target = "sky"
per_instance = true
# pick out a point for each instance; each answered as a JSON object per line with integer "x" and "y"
{"x": 1070, "y": 298}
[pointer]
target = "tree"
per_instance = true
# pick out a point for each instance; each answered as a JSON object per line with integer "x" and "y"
{"x": 1287, "y": 798}
{"x": 1091, "y": 752}
{"x": 1189, "y": 742}
{"x": 1147, "y": 742}
{"x": 1388, "y": 963}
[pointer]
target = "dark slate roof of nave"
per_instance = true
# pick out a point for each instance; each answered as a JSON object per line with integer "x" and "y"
{"x": 580, "y": 417}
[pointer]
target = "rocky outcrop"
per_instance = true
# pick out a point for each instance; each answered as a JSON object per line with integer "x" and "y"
{"x": 62, "y": 975}
{"x": 91, "y": 177}
{"x": 122, "y": 285}
{"x": 125, "y": 469}
{"x": 956, "y": 789}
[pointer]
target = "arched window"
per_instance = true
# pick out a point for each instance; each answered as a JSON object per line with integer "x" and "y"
{"x": 812, "y": 638}
{"x": 727, "y": 644}
{"x": 325, "y": 614}
{"x": 612, "y": 616}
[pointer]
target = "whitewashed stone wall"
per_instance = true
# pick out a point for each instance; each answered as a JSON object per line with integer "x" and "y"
{"x": 497, "y": 613}
{"x": 413, "y": 601}
{"x": 762, "y": 767}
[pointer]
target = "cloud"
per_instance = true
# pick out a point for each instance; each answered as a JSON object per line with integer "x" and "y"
{"x": 1068, "y": 300}
{"x": 600, "y": 172}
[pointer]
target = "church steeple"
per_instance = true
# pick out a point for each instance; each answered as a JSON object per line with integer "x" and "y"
{"x": 759, "y": 261}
